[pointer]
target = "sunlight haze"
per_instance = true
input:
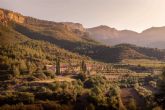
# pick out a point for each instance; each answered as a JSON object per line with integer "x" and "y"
{"x": 135, "y": 15}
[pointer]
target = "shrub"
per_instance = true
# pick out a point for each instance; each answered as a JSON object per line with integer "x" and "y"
{"x": 90, "y": 107}
{"x": 18, "y": 97}
{"x": 49, "y": 74}
{"x": 21, "y": 106}
{"x": 25, "y": 97}
{"x": 132, "y": 104}
{"x": 94, "y": 81}
{"x": 157, "y": 108}
{"x": 41, "y": 76}
{"x": 153, "y": 84}
{"x": 81, "y": 76}
{"x": 23, "y": 88}
{"x": 16, "y": 71}
{"x": 22, "y": 66}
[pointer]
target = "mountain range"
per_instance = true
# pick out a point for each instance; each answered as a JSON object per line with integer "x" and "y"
{"x": 153, "y": 37}
{"x": 96, "y": 43}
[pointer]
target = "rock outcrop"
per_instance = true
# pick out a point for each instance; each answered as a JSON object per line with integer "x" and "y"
{"x": 6, "y": 16}
{"x": 74, "y": 26}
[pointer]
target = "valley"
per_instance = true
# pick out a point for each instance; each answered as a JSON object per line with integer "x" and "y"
{"x": 59, "y": 66}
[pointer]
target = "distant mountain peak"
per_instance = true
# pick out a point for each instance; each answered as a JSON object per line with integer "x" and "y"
{"x": 154, "y": 29}
{"x": 103, "y": 27}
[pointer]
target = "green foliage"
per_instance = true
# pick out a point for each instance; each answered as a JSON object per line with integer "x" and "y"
{"x": 50, "y": 74}
{"x": 18, "y": 97}
{"x": 94, "y": 81}
{"x": 81, "y": 76}
{"x": 146, "y": 94}
{"x": 16, "y": 71}
{"x": 40, "y": 75}
{"x": 132, "y": 104}
{"x": 30, "y": 56}
{"x": 90, "y": 107}
{"x": 160, "y": 97}
{"x": 22, "y": 65}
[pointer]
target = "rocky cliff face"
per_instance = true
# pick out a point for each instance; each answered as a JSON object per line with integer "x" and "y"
{"x": 16, "y": 17}
{"x": 74, "y": 26}
{"x": 3, "y": 17}
{"x": 6, "y": 16}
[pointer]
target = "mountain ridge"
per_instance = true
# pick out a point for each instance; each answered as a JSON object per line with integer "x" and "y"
{"x": 73, "y": 38}
{"x": 111, "y": 36}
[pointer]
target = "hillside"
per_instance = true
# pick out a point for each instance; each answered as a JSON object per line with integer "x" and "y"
{"x": 72, "y": 37}
{"x": 28, "y": 55}
{"x": 150, "y": 52}
{"x": 46, "y": 65}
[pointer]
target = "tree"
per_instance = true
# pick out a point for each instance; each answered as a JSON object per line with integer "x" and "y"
{"x": 162, "y": 84}
{"x": 160, "y": 98}
{"x": 15, "y": 70}
{"x": 83, "y": 66}
{"x": 58, "y": 66}
{"x": 23, "y": 66}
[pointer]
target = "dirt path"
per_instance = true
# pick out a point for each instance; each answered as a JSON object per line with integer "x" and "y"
{"x": 59, "y": 78}
{"x": 128, "y": 93}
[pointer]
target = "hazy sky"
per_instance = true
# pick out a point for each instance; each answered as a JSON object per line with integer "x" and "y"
{"x": 136, "y": 15}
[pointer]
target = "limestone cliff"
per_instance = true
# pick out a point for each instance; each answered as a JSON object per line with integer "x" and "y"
{"x": 74, "y": 26}
{"x": 6, "y": 16}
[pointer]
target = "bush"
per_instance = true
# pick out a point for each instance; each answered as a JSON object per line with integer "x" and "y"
{"x": 16, "y": 71}
{"x": 18, "y": 97}
{"x": 23, "y": 88}
{"x": 81, "y": 76}
{"x": 153, "y": 84}
{"x": 94, "y": 81}
{"x": 21, "y": 106}
{"x": 132, "y": 104}
{"x": 49, "y": 74}
{"x": 41, "y": 76}
{"x": 90, "y": 107}
{"x": 25, "y": 97}
{"x": 157, "y": 108}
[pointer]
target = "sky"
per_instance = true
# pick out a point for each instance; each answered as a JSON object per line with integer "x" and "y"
{"x": 136, "y": 15}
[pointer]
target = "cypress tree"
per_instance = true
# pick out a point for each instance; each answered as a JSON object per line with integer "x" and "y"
{"x": 83, "y": 67}
{"x": 58, "y": 66}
